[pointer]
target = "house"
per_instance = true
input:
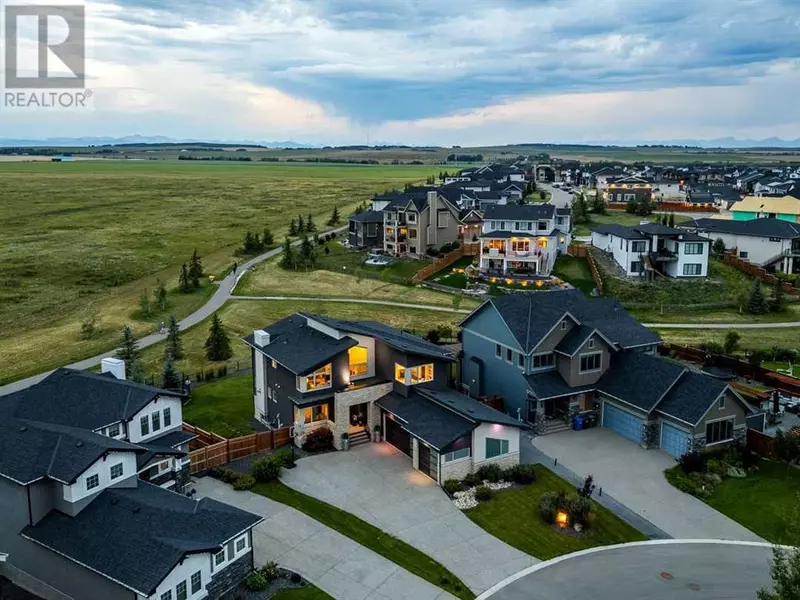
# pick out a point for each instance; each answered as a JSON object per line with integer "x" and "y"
{"x": 415, "y": 221}
{"x": 78, "y": 521}
{"x": 769, "y": 243}
{"x": 552, "y": 355}
{"x": 523, "y": 239}
{"x": 649, "y": 249}
{"x": 629, "y": 188}
{"x": 315, "y": 372}
{"x": 365, "y": 230}
{"x": 786, "y": 208}
{"x": 668, "y": 189}
{"x": 601, "y": 176}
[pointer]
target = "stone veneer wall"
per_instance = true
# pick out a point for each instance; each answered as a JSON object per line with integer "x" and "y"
{"x": 455, "y": 470}
{"x": 229, "y": 577}
{"x": 344, "y": 400}
{"x": 509, "y": 460}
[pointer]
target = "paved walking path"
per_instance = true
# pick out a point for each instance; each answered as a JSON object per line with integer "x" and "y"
{"x": 341, "y": 567}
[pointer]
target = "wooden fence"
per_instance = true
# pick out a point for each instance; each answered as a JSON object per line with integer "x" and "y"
{"x": 225, "y": 450}
{"x": 583, "y": 252}
{"x": 440, "y": 263}
{"x": 748, "y": 268}
{"x": 760, "y": 443}
{"x": 667, "y": 206}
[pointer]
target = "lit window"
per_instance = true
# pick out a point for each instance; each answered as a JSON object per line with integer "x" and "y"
{"x": 197, "y": 582}
{"x": 542, "y": 242}
{"x": 421, "y": 374}
{"x": 167, "y": 417}
{"x": 315, "y": 413}
{"x": 144, "y": 424}
{"x": 521, "y": 245}
{"x": 318, "y": 380}
{"x": 496, "y": 447}
{"x": 241, "y": 543}
{"x": 156, "y": 419}
{"x": 399, "y": 373}
{"x": 357, "y": 357}
{"x": 92, "y": 481}
{"x": 274, "y": 364}
{"x": 117, "y": 471}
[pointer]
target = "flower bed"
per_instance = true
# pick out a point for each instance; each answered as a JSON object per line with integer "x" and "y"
{"x": 467, "y": 498}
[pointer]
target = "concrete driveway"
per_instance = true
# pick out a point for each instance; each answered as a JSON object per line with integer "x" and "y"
{"x": 335, "y": 563}
{"x": 635, "y": 478}
{"x": 655, "y": 571}
{"x": 377, "y": 483}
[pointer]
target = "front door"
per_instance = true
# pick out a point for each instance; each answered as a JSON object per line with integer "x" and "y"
{"x": 358, "y": 416}
{"x": 549, "y": 407}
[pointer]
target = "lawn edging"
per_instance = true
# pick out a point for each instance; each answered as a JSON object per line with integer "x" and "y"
{"x": 369, "y": 536}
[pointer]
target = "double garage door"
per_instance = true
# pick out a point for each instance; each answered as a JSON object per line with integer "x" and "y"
{"x": 624, "y": 423}
{"x": 428, "y": 459}
{"x": 398, "y": 437}
{"x": 674, "y": 441}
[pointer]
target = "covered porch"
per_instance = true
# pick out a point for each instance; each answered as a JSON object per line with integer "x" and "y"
{"x": 552, "y": 404}
{"x": 517, "y": 255}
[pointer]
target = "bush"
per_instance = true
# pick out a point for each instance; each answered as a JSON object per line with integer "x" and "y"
{"x": 717, "y": 466}
{"x": 523, "y": 474}
{"x": 483, "y": 493}
{"x": 225, "y": 474}
{"x": 433, "y": 336}
{"x": 319, "y": 440}
{"x": 579, "y": 508}
{"x": 244, "y": 482}
{"x": 295, "y": 578}
{"x": 285, "y": 456}
{"x": 267, "y": 468}
{"x": 256, "y": 582}
{"x": 472, "y": 480}
{"x": 270, "y": 571}
{"x": 490, "y": 473}
{"x": 549, "y": 504}
{"x": 692, "y": 462}
{"x": 222, "y": 371}
{"x": 451, "y": 486}
{"x": 209, "y": 375}
{"x": 198, "y": 376}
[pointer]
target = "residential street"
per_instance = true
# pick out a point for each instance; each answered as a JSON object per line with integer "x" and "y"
{"x": 651, "y": 571}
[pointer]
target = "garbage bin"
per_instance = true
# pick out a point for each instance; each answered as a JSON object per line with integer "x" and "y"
{"x": 577, "y": 422}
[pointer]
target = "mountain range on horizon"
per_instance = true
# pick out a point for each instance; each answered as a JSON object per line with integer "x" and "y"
{"x": 728, "y": 143}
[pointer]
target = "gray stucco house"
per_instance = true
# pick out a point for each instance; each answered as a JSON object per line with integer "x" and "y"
{"x": 552, "y": 355}
{"x": 81, "y": 522}
{"x": 365, "y": 230}
{"x": 315, "y": 372}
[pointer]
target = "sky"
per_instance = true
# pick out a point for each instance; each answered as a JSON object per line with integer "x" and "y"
{"x": 435, "y": 72}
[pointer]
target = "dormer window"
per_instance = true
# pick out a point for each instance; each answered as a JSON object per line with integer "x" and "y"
{"x": 113, "y": 431}
{"x": 413, "y": 375}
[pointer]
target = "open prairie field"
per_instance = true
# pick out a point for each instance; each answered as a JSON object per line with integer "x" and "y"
{"x": 88, "y": 237}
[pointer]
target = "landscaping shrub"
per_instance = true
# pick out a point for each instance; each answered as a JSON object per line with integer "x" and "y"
{"x": 472, "y": 480}
{"x": 224, "y": 474}
{"x": 319, "y": 440}
{"x": 270, "y": 571}
{"x": 267, "y": 468}
{"x": 451, "y": 486}
{"x": 490, "y": 473}
{"x": 209, "y": 375}
{"x": 433, "y": 336}
{"x": 285, "y": 456}
{"x": 692, "y": 462}
{"x": 717, "y": 466}
{"x": 222, "y": 371}
{"x": 244, "y": 482}
{"x": 548, "y": 506}
{"x": 483, "y": 493}
{"x": 256, "y": 582}
{"x": 523, "y": 474}
{"x": 579, "y": 508}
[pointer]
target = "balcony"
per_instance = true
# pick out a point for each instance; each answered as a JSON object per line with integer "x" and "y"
{"x": 663, "y": 255}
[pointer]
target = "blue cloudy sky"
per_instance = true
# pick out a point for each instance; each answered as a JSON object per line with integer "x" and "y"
{"x": 436, "y": 71}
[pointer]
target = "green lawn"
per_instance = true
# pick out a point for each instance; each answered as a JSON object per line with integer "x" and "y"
{"x": 309, "y": 592}
{"x": 620, "y": 218}
{"x": 224, "y": 406}
{"x": 674, "y": 314}
{"x": 367, "y": 535}
{"x": 513, "y": 516}
{"x": 752, "y": 339}
{"x": 350, "y": 262}
{"x": 766, "y": 502}
{"x": 783, "y": 367}
{"x": 447, "y": 277}
{"x": 576, "y": 271}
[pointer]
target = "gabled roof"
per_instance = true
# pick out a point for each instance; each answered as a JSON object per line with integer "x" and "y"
{"x": 137, "y": 536}
{"x": 691, "y": 397}
{"x": 639, "y": 379}
{"x": 788, "y": 205}
{"x": 468, "y": 407}
{"x": 776, "y": 228}
{"x": 576, "y": 338}
{"x": 520, "y": 212}
{"x": 368, "y": 216}
{"x": 550, "y": 384}
{"x": 620, "y": 231}
{"x": 427, "y": 420}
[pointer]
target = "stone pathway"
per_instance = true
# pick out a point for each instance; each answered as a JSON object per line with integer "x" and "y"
{"x": 341, "y": 567}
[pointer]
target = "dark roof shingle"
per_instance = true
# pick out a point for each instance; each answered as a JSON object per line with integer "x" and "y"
{"x": 639, "y": 379}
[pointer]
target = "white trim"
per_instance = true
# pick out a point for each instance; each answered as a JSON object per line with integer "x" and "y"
{"x": 488, "y": 339}
{"x": 554, "y": 561}
{"x": 580, "y": 358}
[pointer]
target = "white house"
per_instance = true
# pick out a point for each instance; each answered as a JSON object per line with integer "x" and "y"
{"x": 650, "y": 248}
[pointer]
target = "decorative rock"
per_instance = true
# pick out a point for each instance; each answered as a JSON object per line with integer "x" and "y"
{"x": 737, "y": 472}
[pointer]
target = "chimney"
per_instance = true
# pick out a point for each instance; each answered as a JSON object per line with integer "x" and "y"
{"x": 261, "y": 337}
{"x": 115, "y": 366}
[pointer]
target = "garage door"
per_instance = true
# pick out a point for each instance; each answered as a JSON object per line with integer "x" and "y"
{"x": 624, "y": 423}
{"x": 428, "y": 460}
{"x": 674, "y": 441}
{"x": 397, "y": 436}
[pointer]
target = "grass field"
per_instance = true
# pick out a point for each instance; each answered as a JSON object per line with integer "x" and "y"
{"x": 513, "y": 516}
{"x": 618, "y": 217}
{"x": 720, "y": 315}
{"x": 575, "y": 271}
{"x": 752, "y": 339}
{"x": 241, "y": 317}
{"x": 224, "y": 406}
{"x": 88, "y": 237}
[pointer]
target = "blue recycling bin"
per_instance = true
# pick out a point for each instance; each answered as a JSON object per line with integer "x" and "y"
{"x": 577, "y": 422}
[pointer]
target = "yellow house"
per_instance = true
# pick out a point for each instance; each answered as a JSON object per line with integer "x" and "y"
{"x": 786, "y": 208}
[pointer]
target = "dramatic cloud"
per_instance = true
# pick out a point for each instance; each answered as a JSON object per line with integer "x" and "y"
{"x": 335, "y": 71}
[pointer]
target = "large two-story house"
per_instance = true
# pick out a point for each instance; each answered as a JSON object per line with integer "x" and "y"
{"x": 415, "y": 221}
{"x": 652, "y": 249}
{"x": 315, "y": 372}
{"x": 523, "y": 239}
{"x": 629, "y": 188}
{"x": 552, "y": 355}
{"x": 81, "y": 521}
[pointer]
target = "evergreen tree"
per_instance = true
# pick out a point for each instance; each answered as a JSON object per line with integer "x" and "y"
{"x": 160, "y": 296}
{"x": 170, "y": 378}
{"x": 756, "y": 302}
{"x": 128, "y": 348}
{"x": 644, "y": 207}
{"x": 310, "y": 226}
{"x": 288, "y": 256}
{"x": 218, "y": 344}
{"x": 718, "y": 248}
{"x": 292, "y": 228}
{"x": 307, "y": 257}
{"x": 360, "y": 209}
{"x": 579, "y": 209}
{"x": 335, "y": 218}
{"x": 136, "y": 372}
{"x": 184, "y": 284}
{"x": 672, "y": 219}
{"x": 174, "y": 347}
{"x": 598, "y": 205}
{"x": 777, "y": 303}
{"x": 301, "y": 226}
{"x": 195, "y": 269}
{"x": 268, "y": 239}
{"x": 785, "y": 573}
{"x": 663, "y": 219}
{"x": 144, "y": 304}
{"x": 632, "y": 207}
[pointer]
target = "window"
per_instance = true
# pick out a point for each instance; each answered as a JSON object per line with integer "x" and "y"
{"x": 496, "y": 447}
{"x": 742, "y": 254}
{"x": 719, "y": 431}
{"x": 163, "y": 466}
{"x": 412, "y": 234}
{"x": 502, "y": 225}
{"x": 591, "y": 343}
{"x": 274, "y": 364}
{"x": 197, "y": 582}
{"x": 167, "y": 417}
{"x": 456, "y": 455}
{"x": 144, "y": 425}
{"x": 372, "y": 230}
{"x": 637, "y": 266}
{"x": 509, "y": 355}
{"x": 314, "y": 414}
{"x": 92, "y": 481}
{"x": 692, "y": 269}
{"x": 411, "y": 217}
{"x": 412, "y": 249}
{"x": 541, "y": 242}
{"x": 591, "y": 362}
{"x": 241, "y": 543}
{"x": 621, "y": 244}
{"x": 721, "y": 403}
{"x": 521, "y": 360}
{"x": 180, "y": 590}
{"x": 421, "y": 374}
{"x": 542, "y": 226}
{"x": 113, "y": 431}
{"x": 493, "y": 225}
{"x": 521, "y": 245}
{"x": 541, "y": 361}
{"x": 517, "y": 225}
{"x": 498, "y": 351}
{"x": 156, "y": 419}
{"x": 167, "y": 595}
{"x": 399, "y": 373}
{"x": 318, "y": 380}
{"x": 219, "y": 558}
{"x": 563, "y": 325}
{"x": 638, "y": 246}
{"x": 444, "y": 219}
{"x": 357, "y": 359}
{"x": 693, "y": 248}
{"x": 117, "y": 470}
